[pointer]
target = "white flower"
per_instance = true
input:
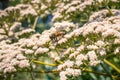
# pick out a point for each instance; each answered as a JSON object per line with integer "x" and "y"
{"x": 73, "y": 72}
{"x": 30, "y": 43}
{"x": 28, "y": 51}
{"x": 100, "y": 29}
{"x": 9, "y": 69}
{"x": 3, "y": 65}
{"x": 53, "y": 54}
{"x": 20, "y": 57}
{"x": 73, "y": 55}
{"x": 41, "y": 50}
{"x": 88, "y": 31}
{"x": 77, "y": 72}
{"x": 48, "y": 1}
{"x": 26, "y": 31}
{"x": 99, "y": 43}
{"x": 117, "y": 41}
{"x": 35, "y": 1}
{"x": 57, "y": 58}
{"x": 69, "y": 63}
{"x": 78, "y": 31}
{"x": 102, "y": 14}
{"x": 68, "y": 36}
{"x": 28, "y": 10}
{"x": 24, "y": 63}
{"x": 94, "y": 63}
{"x": 110, "y": 32}
{"x": 60, "y": 67}
{"x": 63, "y": 40}
{"x": 3, "y": 13}
{"x": 35, "y": 47}
{"x": 16, "y": 26}
{"x": 92, "y": 47}
{"x": 81, "y": 57}
{"x": 102, "y": 52}
{"x": 92, "y": 55}
{"x": 56, "y": 15}
{"x": 68, "y": 51}
{"x": 78, "y": 63}
{"x": 43, "y": 7}
{"x": 71, "y": 9}
{"x": 44, "y": 38}
{"x": 117, "y": 50}
{"x": 63, "y": 75}
{"x": 80, "y": 48}
{"x": 14, "y": 62}
{"x": 64, "y": 26}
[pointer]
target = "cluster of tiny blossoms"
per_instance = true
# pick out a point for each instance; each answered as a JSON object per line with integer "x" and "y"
{"x": 74, "y": 48}
{"x": 88, "y": 46}
{"x": 67, "y": 9}
{"x": 11, "y": 57}
{"x": 72, "y": 9}
{"x": 12, "y": 53}
{"x": 102, "y": 14}
{"x": 18, "y": 12}
{"x": 31, "y": 8}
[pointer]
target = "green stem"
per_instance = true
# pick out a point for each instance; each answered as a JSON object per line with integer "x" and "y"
{"x": 91, "y": 71}
{"x": 56, "y": 71}
{"x": 112, "y": 65}
{"x": 31, "y": 68}
{"x": 110, "y": 11}
{"x": 53, "y": 71}
{"x": 35, "y": 23}
{"x": 32, "y": 78}
{"x": 43, "y": 71}
{"x": 12, "y": 77}
{"x": 39, "y": 62}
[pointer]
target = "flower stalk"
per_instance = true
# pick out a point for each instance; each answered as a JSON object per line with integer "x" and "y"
{"x": 112, "y": 65}
{"x": 39, "y": 62}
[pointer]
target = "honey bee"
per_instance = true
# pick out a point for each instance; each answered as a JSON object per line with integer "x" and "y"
{"x": 57, "y": 35}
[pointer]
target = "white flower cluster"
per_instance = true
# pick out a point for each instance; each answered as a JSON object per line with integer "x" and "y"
{"x": 41, "y": 50}
{"x": 96, "y": 39}
{"x": 43, "y": 8}
{"x": 3, "y": 14}
{"x": 20, "y": 11}
{"x": 100, "y": 1}
{"x": 34, "y": 44}
{"x": 73, "y": 47}
{"x": 14, "y": 32}
{"x": 14, "y": 46}
{"x": 65, "y": 25}
{"x": 69, "y": 72}
{"x": 26, "y": 10}
{"x": 102, "y": 14}
{"x": 62, "y": 27}
{"x": 68, "y": 9}
{"x": 11, "y": 57}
